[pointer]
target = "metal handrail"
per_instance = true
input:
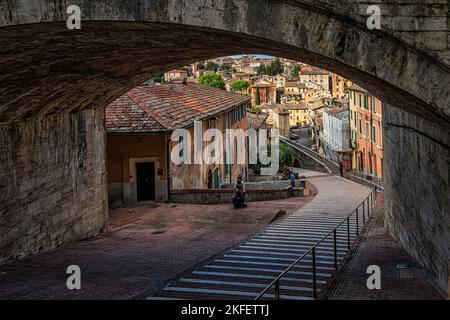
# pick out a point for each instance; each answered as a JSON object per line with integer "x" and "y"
{"x": 370, "y": 199}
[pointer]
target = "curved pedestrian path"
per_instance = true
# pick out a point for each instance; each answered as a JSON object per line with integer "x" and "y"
{"x": 245, "y": 270}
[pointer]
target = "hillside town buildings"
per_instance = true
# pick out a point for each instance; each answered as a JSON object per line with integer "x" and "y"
{"x": 339, "y": 86}
{"x": 262, "y": 93}
{"x": 315, "y": 76}
{"x": 341, "y": 122}
{"x": 175, "y": 74}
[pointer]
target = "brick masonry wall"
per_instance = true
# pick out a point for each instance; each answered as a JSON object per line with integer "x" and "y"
{"x": 417, "y": 189}
{"x": 53, "y": 188}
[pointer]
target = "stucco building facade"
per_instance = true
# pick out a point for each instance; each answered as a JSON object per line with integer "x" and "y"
{"x": 366, "y": 131}
{"x": 140, "y": 145}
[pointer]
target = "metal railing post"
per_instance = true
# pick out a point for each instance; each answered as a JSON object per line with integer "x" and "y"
{"x": 371, "y": 200}
{"x": 357, "y": 222}
{"x": 364, "y": 218}
{"x": 314, "y": 273}
{"x": 335, "y": 249}
{"x": 348, "y": 232}
{"x": 374, "y": 198}
{"x": 364, "y": 209}
{"x": 277, "y": 290}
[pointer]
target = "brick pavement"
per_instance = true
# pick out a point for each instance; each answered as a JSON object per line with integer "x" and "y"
{"x": 246, "y": 269}
{"x": 145, "y": 247}
{"x": 379, "y": 248}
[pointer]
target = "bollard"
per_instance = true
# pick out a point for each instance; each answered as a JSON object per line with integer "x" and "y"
{"x": 303, "y": 182}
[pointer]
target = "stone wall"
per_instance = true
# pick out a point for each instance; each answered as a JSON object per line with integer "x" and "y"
{"x": 205, "y": 196}
{"x": 417, "y": 188}
{"x": 53, "y": 182}
{"x": 423, "y": 22}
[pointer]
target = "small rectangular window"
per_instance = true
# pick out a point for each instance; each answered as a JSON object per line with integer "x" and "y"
{"x": 374, "y": 133}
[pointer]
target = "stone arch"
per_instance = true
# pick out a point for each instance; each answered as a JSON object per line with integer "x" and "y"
{"x": 121, "y": 44}
{"x": 46, "y": 70}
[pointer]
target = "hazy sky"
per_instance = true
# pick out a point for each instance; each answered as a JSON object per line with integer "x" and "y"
{"x": 260, "y": 56}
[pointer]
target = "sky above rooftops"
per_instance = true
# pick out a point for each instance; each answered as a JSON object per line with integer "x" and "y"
{"x": 258, "y": 56}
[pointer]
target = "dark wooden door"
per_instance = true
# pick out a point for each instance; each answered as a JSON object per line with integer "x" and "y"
{"x": 145, "y": 172}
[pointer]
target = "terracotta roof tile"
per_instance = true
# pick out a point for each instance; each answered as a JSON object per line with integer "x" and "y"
{"x": 256, "y": 121}
{"x": 123, "y": 115}
{"x": 167, "y": 107}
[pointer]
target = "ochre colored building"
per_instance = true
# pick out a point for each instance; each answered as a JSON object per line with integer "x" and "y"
{"x": 139, "y": 127}
{"x": 298, "y": 114}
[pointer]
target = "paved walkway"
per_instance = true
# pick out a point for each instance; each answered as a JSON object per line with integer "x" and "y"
{"x": 308, "y": 173}
{"x": 402, "y": 277}
{"x": 245, "y": 270}
{"x": 146, "y": 246}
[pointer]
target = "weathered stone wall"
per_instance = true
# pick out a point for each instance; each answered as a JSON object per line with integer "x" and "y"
{"x": 417, "y": 188}
{"x": 137, "y": 39}
{"x": 53, "y": 182}
{"x": 206, "y": 196}
{"x": 424, "y": 22}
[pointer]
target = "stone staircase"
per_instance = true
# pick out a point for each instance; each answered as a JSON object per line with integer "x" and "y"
{"x": 245, "y": 270}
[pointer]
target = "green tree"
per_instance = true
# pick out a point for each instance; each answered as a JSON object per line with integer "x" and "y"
{"x": 211, "y": 66}
{"x": 239, "y": 86}
{"x": 286, "y": 156}
{"x": 262, "y": 70}
{"x": 159, "y": 78}
{"x": 275, "y": 68}
{"x": 212, "y": 80}
{"x": 257, "y": 98}
{"x": 296, "y": 71}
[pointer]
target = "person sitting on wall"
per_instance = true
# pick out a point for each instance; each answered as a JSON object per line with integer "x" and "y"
{"x": 292, "y": 177}
{"x": 239, "y": 194}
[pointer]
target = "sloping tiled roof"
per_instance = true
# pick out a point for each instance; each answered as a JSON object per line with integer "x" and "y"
{"x": 296, "y": 84}
{"x": 167, "y": 107}
{"x": 124, "y": 115}
{"x": 177, "y": 71}
{"x": 295, "y": 106}
{"x": 255, "y": 120}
